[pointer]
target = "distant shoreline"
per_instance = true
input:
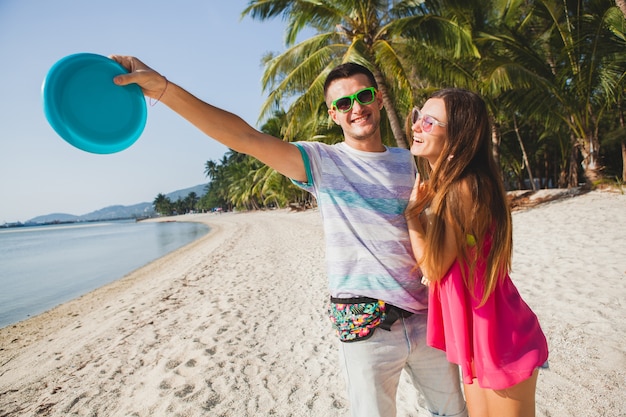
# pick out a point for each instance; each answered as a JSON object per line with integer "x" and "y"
{"x": 59, "y": 222}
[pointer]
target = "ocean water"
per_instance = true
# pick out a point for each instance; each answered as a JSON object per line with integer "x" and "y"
{"x": 44, "y": 266}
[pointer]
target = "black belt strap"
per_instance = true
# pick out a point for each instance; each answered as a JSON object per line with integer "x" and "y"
{"x": 392, "y": 315}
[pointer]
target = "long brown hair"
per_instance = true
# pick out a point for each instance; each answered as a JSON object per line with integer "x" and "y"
{"x": 467, "y": 159}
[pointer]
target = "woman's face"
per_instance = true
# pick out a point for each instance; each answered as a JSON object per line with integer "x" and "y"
{"x": 430, "y": 138}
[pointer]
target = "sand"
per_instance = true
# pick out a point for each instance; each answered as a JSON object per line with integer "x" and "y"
{"x": 235, "y": 324}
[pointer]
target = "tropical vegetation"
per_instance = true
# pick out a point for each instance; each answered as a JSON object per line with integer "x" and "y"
{"x": 164, "y": 206}
{"x": 551, "y": 71}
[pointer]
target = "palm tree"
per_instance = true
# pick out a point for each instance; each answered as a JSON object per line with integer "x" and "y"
{"x": 190, "y": 202}
{"x": 580, "y": 71}
{"x": 243, "y": 185}
{"x": 211, "y": 169}
{"x": 162, "y": 205}
{"x": 219, "y": 181}
{"x": 546, "y": 62}
{"x": 482, "y": 65}
{"x": 368, "y": 32}
{"x": 274, "y": 188}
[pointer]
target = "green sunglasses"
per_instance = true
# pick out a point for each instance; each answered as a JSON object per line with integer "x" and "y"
{"x": 364, "y": 96}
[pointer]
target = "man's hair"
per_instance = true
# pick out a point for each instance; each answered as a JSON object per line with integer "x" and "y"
{"x": 348, "y": 70}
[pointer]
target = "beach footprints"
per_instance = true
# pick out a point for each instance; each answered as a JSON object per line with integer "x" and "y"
{"x": 213, "y": 400}
{"x": 180, "y": 386}
{"x": 192, "y": 374}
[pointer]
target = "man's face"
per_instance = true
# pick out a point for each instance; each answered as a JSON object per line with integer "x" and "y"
{"x": 362, "y": 121}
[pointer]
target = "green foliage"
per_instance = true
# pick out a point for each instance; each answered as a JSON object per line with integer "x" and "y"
{"x": 164, "y": 206}
{"x": 556, "y": 66}
{"x": 614, "y": 183}
{"x": 552, "y": 73}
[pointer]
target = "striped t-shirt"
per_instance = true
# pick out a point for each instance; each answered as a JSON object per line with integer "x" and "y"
{"x": 362, "y": 197}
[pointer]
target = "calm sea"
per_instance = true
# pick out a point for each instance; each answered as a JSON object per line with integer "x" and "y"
{"x": 44, "y": 266}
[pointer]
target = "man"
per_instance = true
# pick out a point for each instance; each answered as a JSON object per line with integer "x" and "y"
{"x": 362, "y": 187}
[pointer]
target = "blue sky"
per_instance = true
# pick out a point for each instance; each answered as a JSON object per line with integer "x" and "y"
{"x": 204, "y": 46}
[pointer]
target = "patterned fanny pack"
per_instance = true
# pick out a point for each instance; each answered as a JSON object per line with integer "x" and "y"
{"x": 355, "y": 319}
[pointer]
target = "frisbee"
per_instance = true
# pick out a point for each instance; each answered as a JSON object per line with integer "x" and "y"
{"x": 89, "y": 111}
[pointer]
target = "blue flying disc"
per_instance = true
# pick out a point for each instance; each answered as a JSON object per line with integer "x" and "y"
{"x": 89, "y": 111}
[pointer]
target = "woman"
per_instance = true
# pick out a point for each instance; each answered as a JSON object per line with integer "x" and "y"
{"x": 461, "y": 233}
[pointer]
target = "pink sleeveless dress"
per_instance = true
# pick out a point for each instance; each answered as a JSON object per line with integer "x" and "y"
{"x": 499, "y": 343}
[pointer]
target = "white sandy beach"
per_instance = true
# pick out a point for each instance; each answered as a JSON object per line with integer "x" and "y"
{"x": 235, "y": 324}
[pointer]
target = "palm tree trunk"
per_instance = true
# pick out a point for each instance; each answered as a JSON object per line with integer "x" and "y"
{"x": 397, "y": 128}
{"x": 623, "y": 161}
{"x": 521, "y": 145}
{"x": 572, "y": 180}
{"x": 495, "y": 144}
{"x": 621, "y": 123}
{"x": 563, "y": 178}
{"x": 590, "y": 152}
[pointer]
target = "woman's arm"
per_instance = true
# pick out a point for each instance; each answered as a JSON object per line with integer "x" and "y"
{"x": 418, "y": 223}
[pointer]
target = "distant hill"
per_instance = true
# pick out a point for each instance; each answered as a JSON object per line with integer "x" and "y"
{"x": 200, "y": 190}
{"x": 118, "y": 211}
